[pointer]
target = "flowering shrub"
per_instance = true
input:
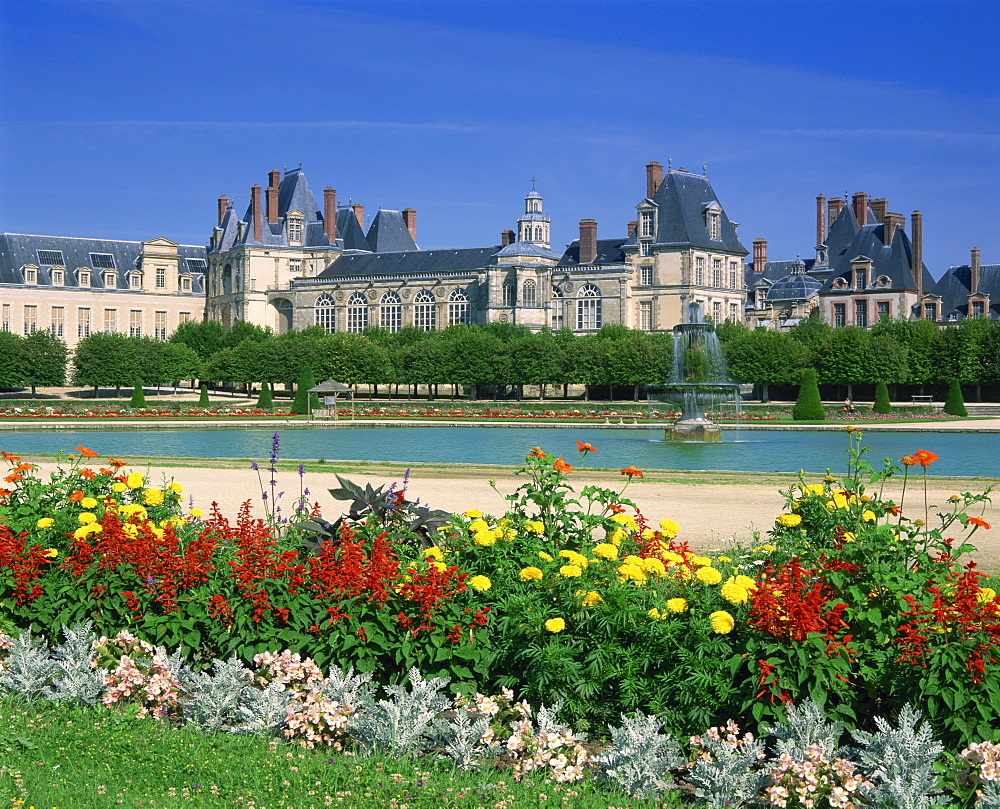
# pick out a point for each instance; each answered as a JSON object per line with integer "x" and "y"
{"x": 817, "y": 782}
{"x": 137, "y": 673}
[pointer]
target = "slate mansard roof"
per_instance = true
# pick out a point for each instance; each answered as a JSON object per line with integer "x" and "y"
{"x": 19, "y": 249}
{"x": 682, "y": 200}
{"x": 467, "y": 260}
{"x": 609, "y": 251}
{"x": 955, "y": 287}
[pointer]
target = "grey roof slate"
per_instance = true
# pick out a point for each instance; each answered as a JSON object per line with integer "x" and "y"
{"x": 294, "y": 194}
{"x": 350, "y": 235}
{"x": 468, "y": 259}
{"x": 609, "y": 251}
{"x": 892, "y": 261}
{"x": 517, "y": 249}
{"x": 793, "y": 288}
{"x": 389, "y": 234}
{"x": 681, "y": 200}
{"x": 954, "y": 287}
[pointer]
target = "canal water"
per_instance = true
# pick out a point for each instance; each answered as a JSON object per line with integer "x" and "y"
{"x": 962, "y": 454}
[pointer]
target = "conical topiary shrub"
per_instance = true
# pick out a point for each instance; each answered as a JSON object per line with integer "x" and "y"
{"x": 264, "y": 400}
{"x": 306, "y": 381}
{"x": 138, "y": 397}
{"x": 882, "y": 403}
{"x": 203, "y": 398}
{"x": 808, "y": 405}
{"x": 954, "y": 405}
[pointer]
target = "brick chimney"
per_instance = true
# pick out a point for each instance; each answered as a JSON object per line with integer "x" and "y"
{"x": 410, "y": 220}
{"x": 588, "y": 241}
{"x": 255, "y": 211}
{"x": 506, "y": 237}
{"x": 271, "y": 199}
{"x": 330, "y": 214}
{"x": 892, "y": 223}
{"x": 359, "y": 213}
{"x": 632, "y": 227}
{"x": 654, "y": 176}
{"x": 273, "y": 178}
{"x": 860, "y": 201}
{"x": 223, "y": 207}
{"x": 974, "y": 266}
{"x": 820, "y": 219}
{"x": 834, "y": 207}
{"x": 917, "y": 238}
{"x": 759, "y": 255}
{"x": 880, "y": 207}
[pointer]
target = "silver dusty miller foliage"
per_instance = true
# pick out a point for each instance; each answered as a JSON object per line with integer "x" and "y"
{"x": 640, "y": 757}
{"x": 75, "y": 679}
{"x": 730, "y": 778}
{"x": 29, "y": 668}
{"x": 806, "y": 725}
{"x": 212, "y": 700}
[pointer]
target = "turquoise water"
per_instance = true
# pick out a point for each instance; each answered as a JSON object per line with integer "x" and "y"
{"x": 968, "y": 454}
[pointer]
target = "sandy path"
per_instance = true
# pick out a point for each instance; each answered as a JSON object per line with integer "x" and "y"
{"x": 708, "y": 512}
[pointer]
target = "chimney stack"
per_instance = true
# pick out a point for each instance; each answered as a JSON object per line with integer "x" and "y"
{"x": 632, "y": 227}
{"x": 917, "y": 237}
{"x": 654, "y": 176}
{"x": 410, "y": 220}
{"x": 820, "y": 219}
{"x": 359, "y": 213}
{"x": 860, "y": 201}
{"x": 880, "y": 207}
{"x": 223, "y": 207}
{"x": 974, "y": 266}
{"x": 255, "y": 211}
{"x": 759, "y": 255}
{"x": 271, "y": 198}
{"x": 506, "y": 237}
{"x": 273, "y": 178}
{"x": 330, "y": 214}
{"x": 892, "y": 223}
{"x": 588, "y": 241}
{"x": 834, "y": 207}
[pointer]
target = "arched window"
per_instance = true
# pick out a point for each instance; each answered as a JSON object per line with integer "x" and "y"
{"x": 458, "y": 309}
{"x": 227, "y": 280}
{"x": 528, "y": 293}
{"x": 424, "y": 317}
{"x": 509, "y": 292}
{"x": 538, "y": 233}
{"x": 283, "y": 310}
{"x": 357, "y": 312}
{"x": 588, "y": 309}
{"x": 325, "y": 314}
{"x": 558, "y": 311}
{"x": 390, "y": 312}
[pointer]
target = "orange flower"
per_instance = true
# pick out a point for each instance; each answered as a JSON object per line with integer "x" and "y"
{"x": 86, "y": 453}
{"x": 631, "y": 472}
{"x": 536, "y": 452}
{"x": 908, "y": 460}
{"x": 8, "y": 457}
{"x": 585, "y": 447}
{"x": 116, "y": 463}
{"x": 13, "y": 478}
{"x": 924, "y": 458}
{"x": 561, "y": 466}
{"x": 87, "y": 473}
{"x": 77, "y": 495}
{"x": 852, "y": 429}
{"x": 978, "y": 523}
{"x": 23, "y": 467}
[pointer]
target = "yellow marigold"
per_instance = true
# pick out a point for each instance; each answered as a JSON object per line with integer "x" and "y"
{"x": 677, "y": 604}
{"x": 606, "y": 550}
{"x": 44, "y": 522}
{"x": 813, "y": 488}
{"x": 440, "y": 567}
{"x": 849, "y": 536}
{"x": 700, "y": 561}
{"x": 196, "y": 512}
{"x": 86, "y": 517}
{"x": 131, "y": 529}
{"x": 570, "y": 571}
{"x": 135, "y": 480}
{"x": 723, "y": 559}
{"x": 747, "y": 582}
{"x": 722, "y": 622}
{"x": 484, "y": 538}
{"x": 156, "y": 531}
{"x": 985, "y": 595}
{"x": 87, "y": 530}
{"x": 478, "y": 525}
{"x": 655, "y": 613}
{"x": 648, "y": 533}
{"x": 616, "y": 536}
{"x": 671, "y": 558}
{"x": 88, "y": 502}
{"x": 669, "y": 528}
{"x": 545, "y": 556}
{"x": 435, "y": 552}
{"x": 50, "y": 553}
{"x": 153, "y": 497}
{"x": 480, "y": 583}
{"x": 631, "y": 572}
{"x": 708, "y": 575}
{"x": 734, "y": 592}
{"x": 868, "y": 515}
{"x": 530, "y": 574}
{"x": 590, "y": 598}
{"x": 472, "y": 514}
{"x": 764, "y": 549}
{"x": 654, "y": 566}
{"x": 789, "y": 520}
{"x": 555, "y": 624}
{"x": 535, "y": 526}
{"x": 175, "y": 487}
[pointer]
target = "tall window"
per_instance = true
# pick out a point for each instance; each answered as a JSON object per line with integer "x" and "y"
{"x": 716, "y": 272}
{"x": 883, "y": 309}
{"x": 390, "y": 312}
{"x": 646, "y": 223}
{"x": 82, "y": 322}
{"x": 295, "y": 230}
{"x": 5, "y": 318}
{"x": 733, "y": 275}
{"x": 646, "y": 276}
{"x": 861, "y": 314}
{"x": 714, "y": 225}
{"x": 839, "y": 314}
{"x": 734, "y": 312}
{"x": 588, "y": 309}
{"x": 978, "y": 309}
{"x": 357, "y": 313}
{"x": 645, "y": 247}
{"x": 58, "y": 321}
{"x": 325, "y": 313}
{"x": 930, "y": 311}
{"x": 558, "y": 309}
{"x": 646, "y": 315}
{"x": 458, "y": 309}
{"x": 135, "y": 323}
{"x": 699, "y": 270}
{"x": 184, "y": 317}
{"x": 30, "y": 318}
{"x": 423, "y": 311}
{"x": 110, "y": 320}
{"x": 509, "y": 292}
{"x": 161, "y": 277}
{"x": 716, "y": 311}
{"x": 860, "y": 278}
{"x": 160, "y": 325}
{"x": 185, "y": 284}
{"x": 528, "y": 293}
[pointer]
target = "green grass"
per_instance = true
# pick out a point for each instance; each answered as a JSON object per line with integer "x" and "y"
{"x": 77, "y": 758}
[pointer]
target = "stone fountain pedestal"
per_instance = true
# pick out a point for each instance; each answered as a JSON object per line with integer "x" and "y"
{"x": 695, "y": 429}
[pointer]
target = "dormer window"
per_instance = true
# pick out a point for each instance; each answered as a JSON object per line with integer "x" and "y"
{"x": 294, "y": 229}
{"x": 861, "y": 278}
{"x": 978, "y": 308}
{"x": 714, "y": 225}
{"x": 185, "y": 283}
{"x": 135, "y": 280}
{"x": 647, "y": 223}
{"x": 111, "y": 280}
{"x": 58, "y": 278}
{"x": 83, "y": 278}
{"x": 31, "y": 275}
{"x": 645, "y": 247}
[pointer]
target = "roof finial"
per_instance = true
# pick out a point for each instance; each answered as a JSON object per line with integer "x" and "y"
{"x": 300, "y": 164}
{"x": 533, "y": 181}
{"x": 670, "y": 162}
{"x": 286, "y": 168}
{"x": 704, "y": 169}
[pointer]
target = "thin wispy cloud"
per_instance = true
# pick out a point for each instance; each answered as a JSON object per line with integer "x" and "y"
{"x": 340, "y": 125}
{"x": 895, "y": 134}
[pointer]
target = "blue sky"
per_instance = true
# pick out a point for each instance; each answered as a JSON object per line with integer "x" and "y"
{"x": 128, "y": 119}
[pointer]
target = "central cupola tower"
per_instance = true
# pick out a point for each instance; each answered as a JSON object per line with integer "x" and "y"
{"x": 533, "y": 225}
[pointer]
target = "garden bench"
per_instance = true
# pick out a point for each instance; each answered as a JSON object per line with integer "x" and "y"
{"x": 922, "y": 399}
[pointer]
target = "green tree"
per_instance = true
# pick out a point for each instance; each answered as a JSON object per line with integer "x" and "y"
{"x": 301, "y": 404}
{"x": 203, "y": 400}
{"x": 138, "y": 396}
{"x": 11, "y": 360}
{"x": 808, "y": 405}
{"x": 811, "y": 332}
{"x": 107, "y": 359}
{"x": 765, "y": 357}
{"x": 954, "y": 405}
{"x": 177, "y": 362}
{"x": 264, "y": 400}
{"x": 920, "y": 337}
{"x": 204, "y": 337}
{"x": 845, "y": 358}
{"x": 960, "y": 352}
{"x": 882, "y": 404}
{"x": 535, "y": 359}
{"x": 44, "y": 358}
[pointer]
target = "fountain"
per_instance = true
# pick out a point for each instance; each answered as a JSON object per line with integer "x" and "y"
{"x": 699, "y": 381}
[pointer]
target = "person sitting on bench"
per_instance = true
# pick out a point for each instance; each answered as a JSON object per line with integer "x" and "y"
{"x": 849, "y": 406}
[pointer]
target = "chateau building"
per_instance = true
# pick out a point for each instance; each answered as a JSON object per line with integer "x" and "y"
{"x": 74, "y": 286}
{"x": 290, "y": 264}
